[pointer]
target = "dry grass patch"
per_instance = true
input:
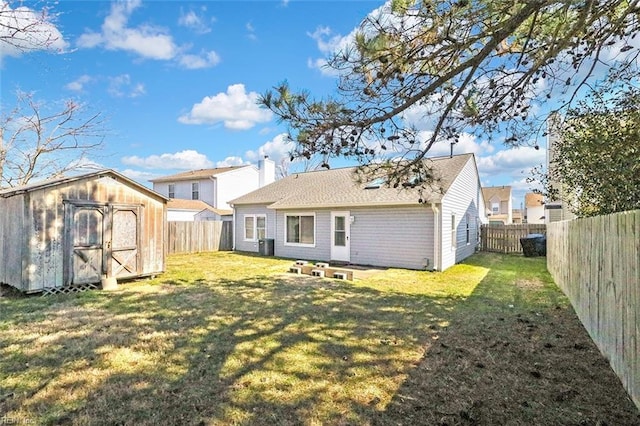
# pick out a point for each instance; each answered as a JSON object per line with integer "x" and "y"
{"x": 224, "y": 338}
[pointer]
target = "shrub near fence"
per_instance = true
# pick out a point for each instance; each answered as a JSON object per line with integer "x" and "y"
{"x": 506, "y": 238}
{"x": 596, "y": 263}
{"x": 198, "y": 236}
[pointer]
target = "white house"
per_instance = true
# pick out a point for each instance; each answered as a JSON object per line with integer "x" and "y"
{"x": 534, "y": 205}
{"x": 213, "y": 188}
{"x": 327, "y": 215}
{"x": 499, "y": 207}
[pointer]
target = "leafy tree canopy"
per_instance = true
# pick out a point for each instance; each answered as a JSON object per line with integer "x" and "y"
{"x": 596, "y": 158}
{"x": 421, "y": 72}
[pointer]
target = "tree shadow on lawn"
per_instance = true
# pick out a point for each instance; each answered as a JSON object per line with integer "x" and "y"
{"x": 292, "y": 350}
{"x": 261, "y": 351}
{"x": 515, "y": 353}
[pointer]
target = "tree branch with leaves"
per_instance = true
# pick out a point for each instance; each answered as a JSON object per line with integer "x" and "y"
{"x": 493, "y": 69}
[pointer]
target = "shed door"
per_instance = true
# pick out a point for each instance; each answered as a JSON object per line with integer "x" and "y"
{"x": 87, "y": 253}
{"x": 125, "y": 230}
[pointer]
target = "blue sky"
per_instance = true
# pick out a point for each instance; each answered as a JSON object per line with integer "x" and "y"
{"x": 177, "y": 80}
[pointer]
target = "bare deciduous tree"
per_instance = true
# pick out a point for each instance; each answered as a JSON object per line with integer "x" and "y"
{"x": 40, "y": 141}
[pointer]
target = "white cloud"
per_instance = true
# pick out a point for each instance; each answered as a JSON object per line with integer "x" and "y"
{"x": 139, "y": 176}
{"x": 328, "y": 44}
{"x": 185, "y": 160}
{"x": 204, "y": 60}
{"x": 232, "y": 161}
{"x": 467, "y": 144}
{"x": 277, "y": 149}
{"x": 122, "y": 87}
{"x": 78, "y": 84}
{"x": 145, "y": 40}
{"x": 236, "y": 108}
{"x": 197, "y": 23}
{"x": 251, "y": 31}
{"x": 23, "y": 30}
{"x": 511, "y": 161}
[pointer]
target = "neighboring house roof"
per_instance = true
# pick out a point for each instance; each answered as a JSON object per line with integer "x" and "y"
{"x": 195, "y": 174}
{"x": 501, "y": 192}
{"x": 9, "y": 192}
{"x": 533, "y": 200}
{"x": 339, "y": 188}
{"x": 194, "y": 205}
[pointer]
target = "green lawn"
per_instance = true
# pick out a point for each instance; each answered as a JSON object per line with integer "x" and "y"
{"x": 226, "y": 338}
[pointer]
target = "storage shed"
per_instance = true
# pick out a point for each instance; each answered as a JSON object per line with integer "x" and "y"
{"x": 73, "y": 232}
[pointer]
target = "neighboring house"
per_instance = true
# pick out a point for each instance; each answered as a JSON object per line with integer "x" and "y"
{"x": 516, "y": 216}
{"x": 498, "y": 205}
{"x": 534, "y": 205}
{"x": 179, "y": 210}
{"x": 215, "y": 187}
{"x": 557, "y": 208}
{"x": 326, "y": 215}
{"x": 79, "y": 230}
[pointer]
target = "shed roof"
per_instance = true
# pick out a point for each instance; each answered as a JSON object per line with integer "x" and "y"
{"x": 196, "y": 174}
{"x": 195, "y": 205}
{"x": 338, "y": 188}
{"x": 10, "y": 192}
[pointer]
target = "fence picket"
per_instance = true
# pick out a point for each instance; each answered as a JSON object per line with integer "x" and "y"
{"x": 506, "y": 238}
{"x": 198, "y": 236}
{"x": 596, "y": 262}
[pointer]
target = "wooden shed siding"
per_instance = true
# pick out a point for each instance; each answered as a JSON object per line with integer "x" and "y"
{"x": 322, "y": 249}
{"x": 398, "y": 237}
{"x": 462, "y": 198}
{"x": 12, "y": 240}
{"x": 37, "y": 223}
{"x": 238, "y": 232}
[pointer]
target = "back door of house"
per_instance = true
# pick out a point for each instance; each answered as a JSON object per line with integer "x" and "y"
{"x": 340, "y": 236}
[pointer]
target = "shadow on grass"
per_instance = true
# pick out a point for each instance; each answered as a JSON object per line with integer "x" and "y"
{"x": 290, "y": 350}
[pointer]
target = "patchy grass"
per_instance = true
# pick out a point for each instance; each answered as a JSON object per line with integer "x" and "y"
{"x": 225, "y": 338}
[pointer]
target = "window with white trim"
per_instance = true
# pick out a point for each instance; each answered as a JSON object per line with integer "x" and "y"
{"x": 495, "y": 207}
{"x": 172, "y": 190}
{"x": 195, "y": 190}
{"x": 255, "y": 227}
{"x": 453, "y": 231}
{"x": 468, "y": 230}
{"x": 300, "y": 229}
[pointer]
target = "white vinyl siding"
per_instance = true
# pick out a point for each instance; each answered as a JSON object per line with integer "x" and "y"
{"x": 254, "y": 211}
{"x": 400, "y": 237}
{"x": 462, "y": 199}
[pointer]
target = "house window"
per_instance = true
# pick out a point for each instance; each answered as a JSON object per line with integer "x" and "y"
{"x": 495, "y": 208}
{"x": 468, "y": 229}
{"x": 453, "y": 231}
{"x": 172, "y": 190}
{"x": 255, "y": 227}
{"x": 195, "y": 191}
{"x": 300, "y": 229}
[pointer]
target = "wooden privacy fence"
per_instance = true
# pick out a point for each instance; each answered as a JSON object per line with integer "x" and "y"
{"x": 506, "y": 238}
{"x": 596, "y": 262}
{"x": 206, "y": 235}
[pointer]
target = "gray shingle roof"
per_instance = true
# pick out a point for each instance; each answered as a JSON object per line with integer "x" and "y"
{"x": 339, "y": 188}
{"x": 194, "y": 174}
{"x": 194, "y": 205}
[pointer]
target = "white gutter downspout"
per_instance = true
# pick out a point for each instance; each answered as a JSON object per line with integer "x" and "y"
{"x": 233, "y": 232}
{"x": 436, "y": 237}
